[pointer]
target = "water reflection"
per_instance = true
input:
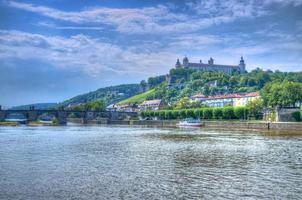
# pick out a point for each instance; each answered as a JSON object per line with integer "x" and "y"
{"x": 147, "y": 163}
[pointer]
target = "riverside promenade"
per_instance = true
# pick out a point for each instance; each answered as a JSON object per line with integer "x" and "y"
{"x": 263, "y": 125}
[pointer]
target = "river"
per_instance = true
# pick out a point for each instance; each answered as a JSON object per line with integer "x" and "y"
{"x": 119, "y": 162}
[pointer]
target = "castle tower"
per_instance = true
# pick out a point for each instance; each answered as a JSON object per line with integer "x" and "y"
{"x": 185, "y": 62}
{"x": 211, "y": 61}
{"x": 177, "y": 65}
{"x": 242, "y": 66}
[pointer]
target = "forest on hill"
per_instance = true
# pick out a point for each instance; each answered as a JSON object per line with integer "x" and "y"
{"x": 182, "y": 83}
{"x": 179, "y": 84}
{"x": 108, "y": 95}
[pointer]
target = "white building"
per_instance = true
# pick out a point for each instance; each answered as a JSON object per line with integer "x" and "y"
{"x": 155, "y": 104}
{"x": 226, "y": 100}
{"x": 210, "y": 66}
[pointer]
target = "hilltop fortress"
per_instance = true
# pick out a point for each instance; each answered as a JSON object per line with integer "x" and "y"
{"x": 210, "y": 66}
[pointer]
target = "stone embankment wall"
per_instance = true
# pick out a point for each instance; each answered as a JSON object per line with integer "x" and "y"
{"x": 207, "y": 124}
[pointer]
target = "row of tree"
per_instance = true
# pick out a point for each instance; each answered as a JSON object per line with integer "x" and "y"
{"x": 201, "y": 113}
{"x": 90, "y": 106}
{"x": 282, "y": 94}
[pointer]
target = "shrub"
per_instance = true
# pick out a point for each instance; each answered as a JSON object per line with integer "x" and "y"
{"x": 240, "y": 112}
{"x": 168, "y": 114}
{"x": 156, "y": 113}
{"x": 142, "y": 114}
{"x": 162, "y": 114}
{"x": 147, "y": 113}
{"x": 228, "y": 113}
{"x": 190, "y": 113}
{"x": 198, "y": 113}
{"x": 297, "y": 116}
{"x": 183, "y": 114}
{"x": 207, "y": 113}
{"x": 201, "y": 113}
{"x": 217, "y": 113}
{"x": 151, "y": 113}
{"x": 175, "y": 114}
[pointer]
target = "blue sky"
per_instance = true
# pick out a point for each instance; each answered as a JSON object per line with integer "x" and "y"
{"x": 51, "y": 50}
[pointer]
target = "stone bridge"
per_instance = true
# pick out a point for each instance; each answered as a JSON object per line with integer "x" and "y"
{"x": 62, "y": 115}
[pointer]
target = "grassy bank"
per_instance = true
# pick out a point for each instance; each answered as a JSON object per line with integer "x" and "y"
{"x": 138, "y": 98}
{"x": 9, "y": 123}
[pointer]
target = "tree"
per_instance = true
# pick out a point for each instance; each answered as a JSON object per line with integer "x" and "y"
{"x": 282, "y": 94}
{"x": 255, "y": 108}
{"x": 143, "y": 84}
{"x": 183, "y": 103}
{"x": 96, "y": 106}
{"x": 206, "y": 90}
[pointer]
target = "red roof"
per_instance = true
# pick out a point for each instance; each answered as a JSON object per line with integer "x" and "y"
{"x": 252, "y": 94}
{"x": 226, "y": 96}
{"x": 198, "y": 96}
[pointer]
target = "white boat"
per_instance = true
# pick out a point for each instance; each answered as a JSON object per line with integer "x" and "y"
{"x": 190, "y": 122}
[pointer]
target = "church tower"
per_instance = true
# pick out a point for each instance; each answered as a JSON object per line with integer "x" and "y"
{"x": 242, "y": 66}
{"x": 177, "y": 65}
{"x": 185, "y": 62}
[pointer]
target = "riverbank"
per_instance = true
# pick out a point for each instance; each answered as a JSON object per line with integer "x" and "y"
{"x": 34, "y": 123}
{"x": 244, "y": 125}
{"x": 9, "y": 123}
{"x": 297, "y": 126}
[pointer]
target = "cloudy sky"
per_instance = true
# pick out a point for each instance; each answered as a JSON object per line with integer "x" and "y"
{"x": 51, "y": 50}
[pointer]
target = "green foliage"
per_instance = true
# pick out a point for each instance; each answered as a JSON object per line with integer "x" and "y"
{"x": 282, "y": 94}
{"x": 143, "y": 84}
{"x": 169, "y": 114}
{"x": 207, "y": 113}
{"x": 190, "y": 113}
{"x": 183, "y": 103}
{"x": 202, "y": 113}
{"x": 96, "y": 106}
{"x": 139, "y": 98}
{"x": 109, "y": 95}
{"x": 198, "y": 113}
{"x": 187, "y": 82}
{"x": 142, "y": 114}
{"x": 183, "y": 114}
{"x": 217, "y": 113}
{"x": 228, "y": 112}
{"x": 176, "y": 114}
{"x": 240, "y": 112}
{"x": 162, "y": 114}
{"x": 55, "y": 122}
{"x": 155, "y": 81}
{"x": 297, "y": 116}
{"x": 255, "y": 108}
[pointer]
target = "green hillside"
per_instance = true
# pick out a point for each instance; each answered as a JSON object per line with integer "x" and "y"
{"x": 109, "y": 95}
{"x": 139, "y": 98}
{"x": 187, "y": 82}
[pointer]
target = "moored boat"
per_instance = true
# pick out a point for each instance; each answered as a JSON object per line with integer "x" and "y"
{"x": 190, "y": 122}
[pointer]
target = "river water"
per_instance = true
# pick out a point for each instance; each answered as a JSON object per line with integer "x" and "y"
{"x": 94, "y": 162}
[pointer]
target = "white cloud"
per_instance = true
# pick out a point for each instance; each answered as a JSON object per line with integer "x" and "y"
{"x": 54, "y": 26}
{"x": 84, "y": 53}
{"x": 160, "y": 18}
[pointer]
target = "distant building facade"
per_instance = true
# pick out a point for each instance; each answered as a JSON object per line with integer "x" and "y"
{"x": 210, "y": 66}
{"x": 155, "y": 104}
{"x": 130, "y": 107}
{"x": 226, "y": 100}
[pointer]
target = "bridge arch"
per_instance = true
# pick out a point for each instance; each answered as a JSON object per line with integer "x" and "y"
{"x": 16, "y": 117}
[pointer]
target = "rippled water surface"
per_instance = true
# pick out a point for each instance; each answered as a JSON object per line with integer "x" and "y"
{"x": 90, "y": 162}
